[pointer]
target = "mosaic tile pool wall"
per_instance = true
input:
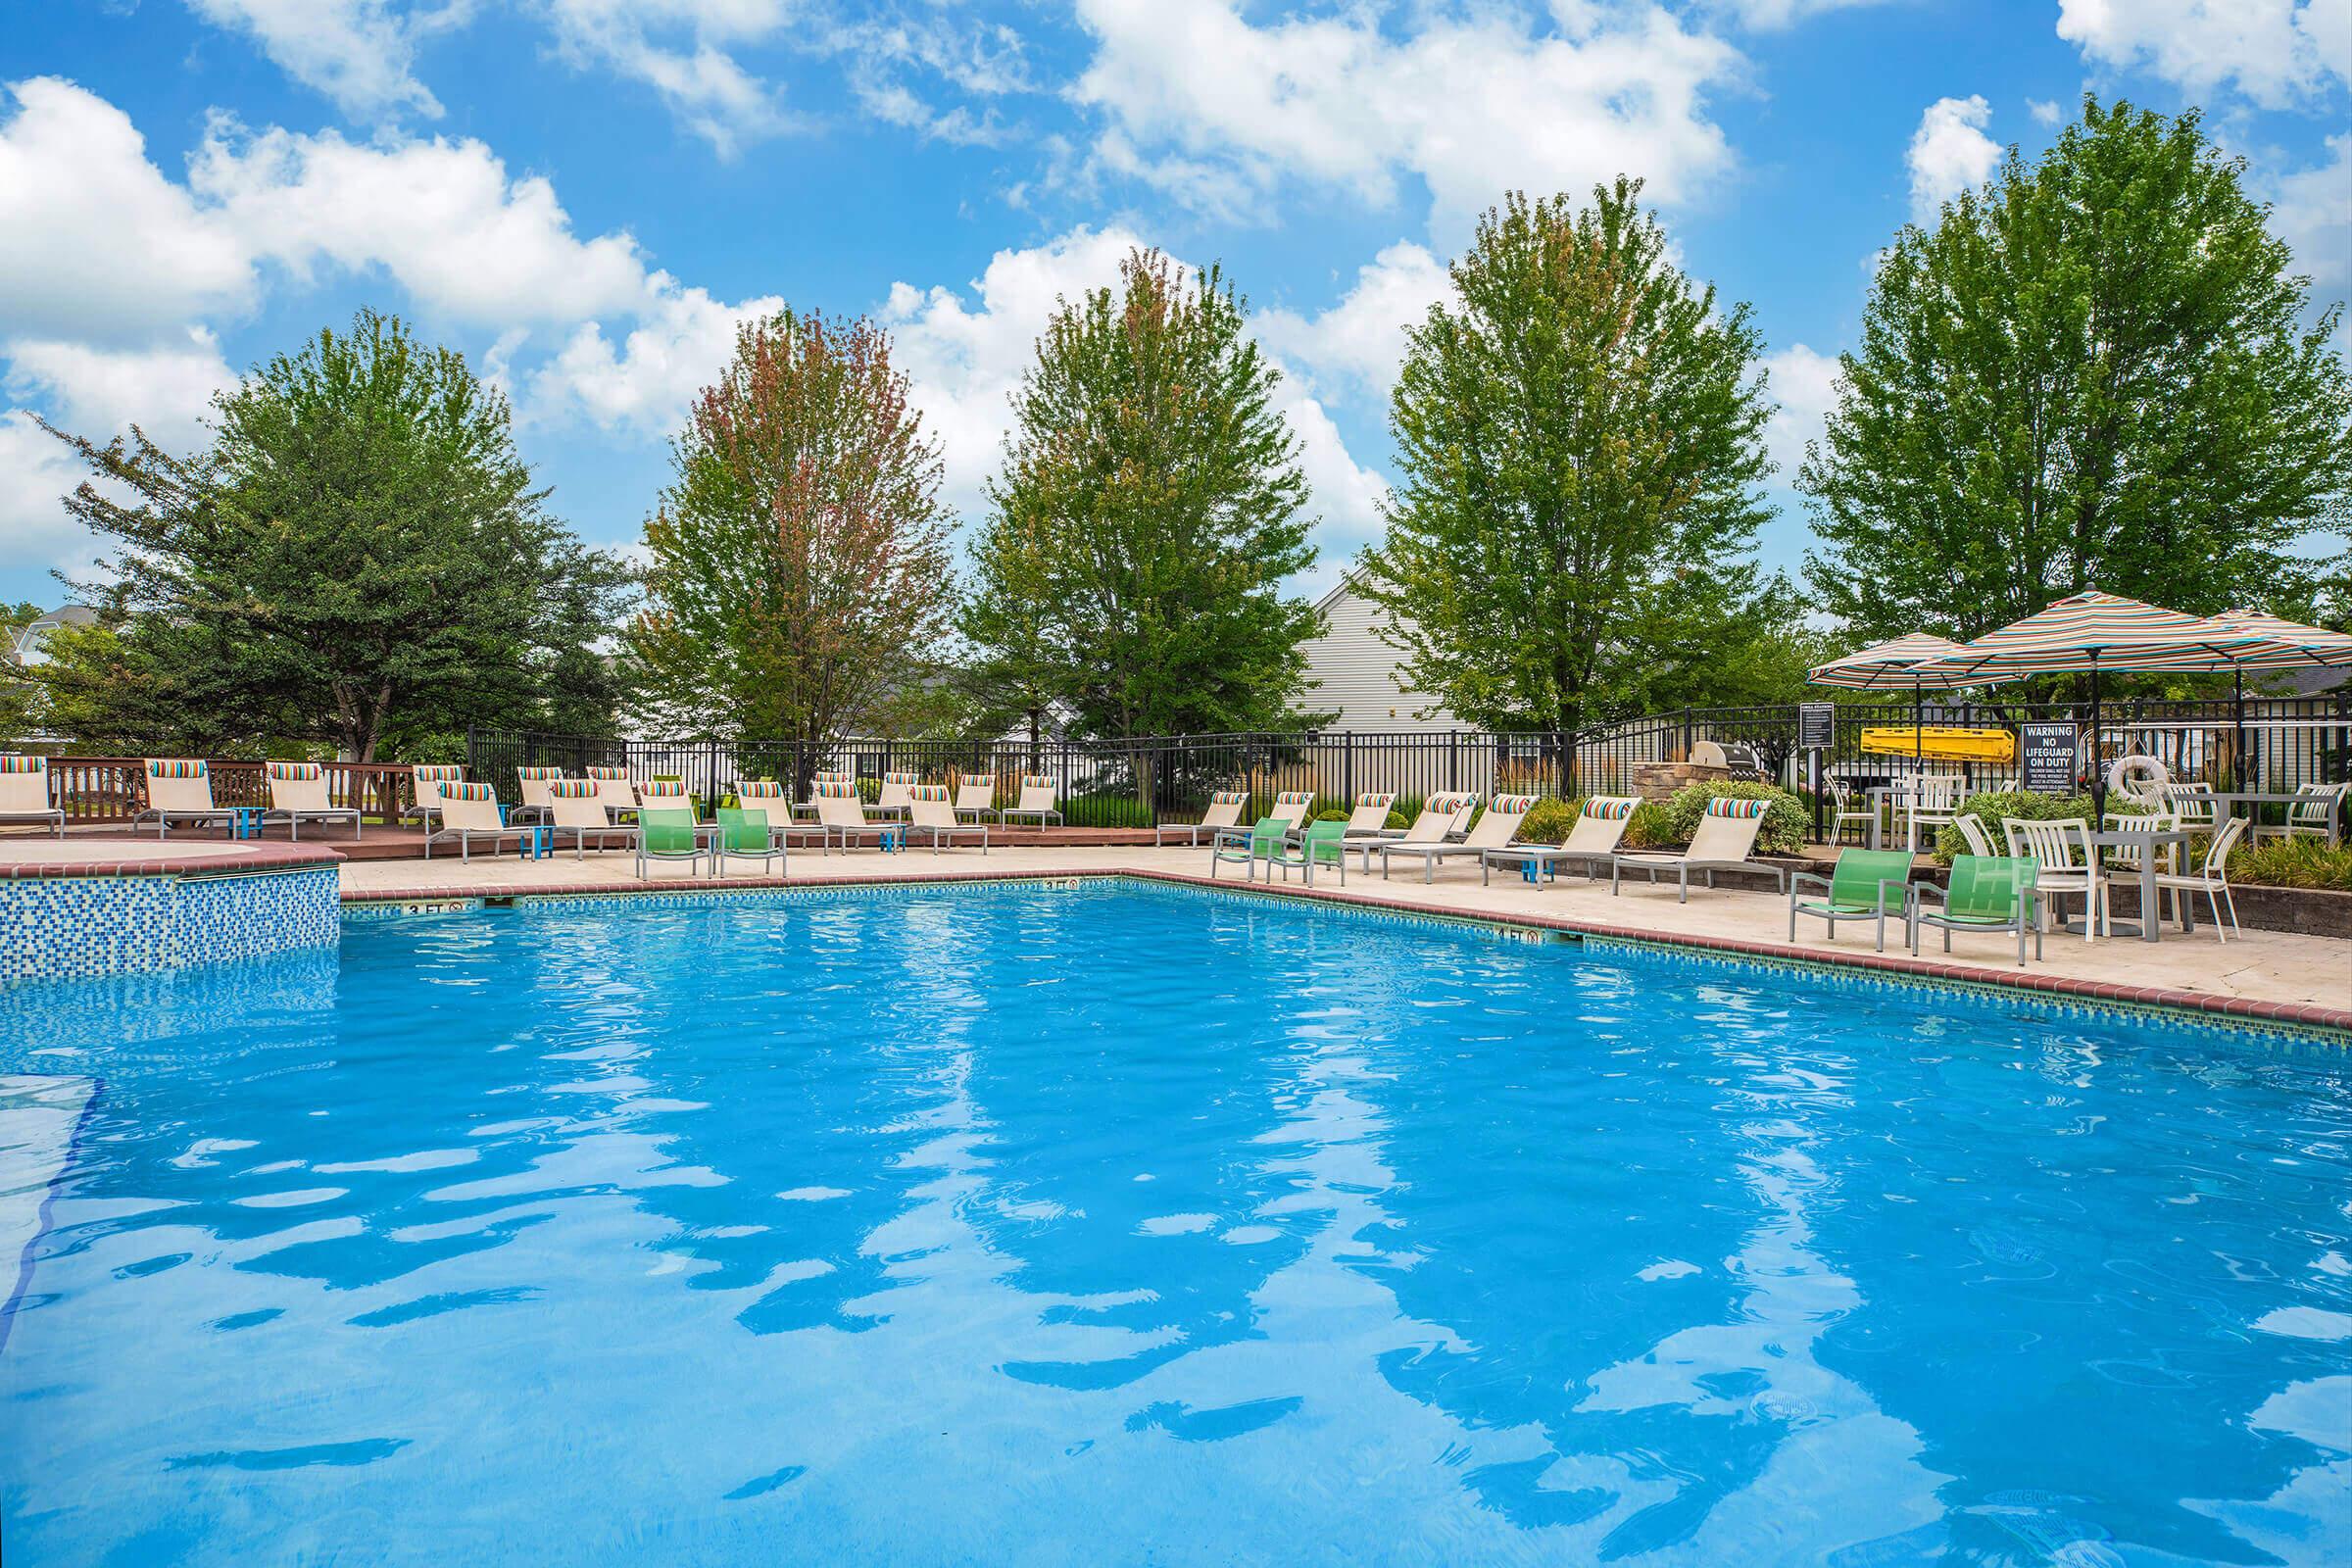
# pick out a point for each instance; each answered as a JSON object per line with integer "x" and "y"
{"x": 52, "y": 927}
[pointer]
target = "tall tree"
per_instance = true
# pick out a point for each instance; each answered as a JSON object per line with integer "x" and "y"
{"x": 1149, "y": 507}
{"x": 2095, "y": 372}
{"x": 801, "y": 565}
{"x": 359, "y": 558}
{"x": 1580, "y": 435}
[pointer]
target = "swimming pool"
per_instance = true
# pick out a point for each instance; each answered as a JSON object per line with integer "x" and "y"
{"x": 1114, "y": 1224}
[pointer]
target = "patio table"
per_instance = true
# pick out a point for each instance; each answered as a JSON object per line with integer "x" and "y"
{"x": 1882, "y": 796}
{"x": 2251, "y": 799}
{"x": 2147, "y": 840}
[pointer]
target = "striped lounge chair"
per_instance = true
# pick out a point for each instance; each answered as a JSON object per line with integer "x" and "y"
{"x": 24, "y": 792}
{"x": 1725, "y": 841}
{"x": 298, "y": 794}
{"x": 180, "y": 789}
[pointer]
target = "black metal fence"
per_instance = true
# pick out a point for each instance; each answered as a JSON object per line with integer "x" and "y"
{"x": 2282, "y": 742}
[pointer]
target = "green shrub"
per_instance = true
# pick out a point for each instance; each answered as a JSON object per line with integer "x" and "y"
{"x": 1106, "y": 808}
{"x": 1785, "y": 820}
{"x": 1995, "y": 806}
{"x": 2290, "y": 863}
{"x": 1550, "y": 820}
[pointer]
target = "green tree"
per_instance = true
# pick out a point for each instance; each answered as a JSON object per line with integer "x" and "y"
{"x": 19, "y": 697}
{"x": 1149, "y": 508}
{"x": 1578, "y": 436}
{"x": 359, "y": 559}
{"x": 2096, "y": 372}
{"x": 801, "y": 567}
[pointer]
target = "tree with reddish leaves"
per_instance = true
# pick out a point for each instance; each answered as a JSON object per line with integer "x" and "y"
{"x": 800, "y": 575}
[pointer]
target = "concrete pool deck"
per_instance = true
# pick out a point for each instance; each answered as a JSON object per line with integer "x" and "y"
{"x": 2290, "y": 977}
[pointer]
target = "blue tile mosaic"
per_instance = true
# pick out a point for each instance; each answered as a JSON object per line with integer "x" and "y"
{"x": 57, "y": 927}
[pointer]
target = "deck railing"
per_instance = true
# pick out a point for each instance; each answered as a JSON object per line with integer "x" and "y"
{"x": 113, "y": 789}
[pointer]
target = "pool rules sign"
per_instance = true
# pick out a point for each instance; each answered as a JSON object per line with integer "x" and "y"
{"x": 2045, "y": 759}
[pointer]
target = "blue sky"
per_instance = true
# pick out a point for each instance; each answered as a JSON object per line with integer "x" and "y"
{"x": 586, "y": 196}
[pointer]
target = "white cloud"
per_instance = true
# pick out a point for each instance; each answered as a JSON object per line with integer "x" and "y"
{"x": 682, "y": 50}
{"x": 966, "y": 352}
{"x": 1470, "y": 106}
{"x": 2311, "y": 209}
{"x": 357, "y": 52}
{"x": 1766, "y": 15}
{"x": 646, "y": 385}
{"x": 2274, "y": 50}
{"x": 94, "y": 240}
{"x": 1804, "y": 383}
{"x": 1353, "y": 349}
{"x": 1950, "y": 153}
{"x": 441, "y": 218}
{"x": 97, "y": 392}
{"x": 36, "y": 471}
{"x": 2044, "y": 113}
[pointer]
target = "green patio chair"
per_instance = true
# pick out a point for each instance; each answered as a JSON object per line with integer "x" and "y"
{"x": 744, "y": 835}
{"x": 668, "y": 835}
{"x": 1988, "y": 893}
{"x": 1855, "y": 889}
{"x": 1266, "y": 841}
{"x": 1325, "y": 843}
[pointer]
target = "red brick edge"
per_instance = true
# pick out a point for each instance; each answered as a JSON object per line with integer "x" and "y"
{"x": 255, "y": 857}
{"x": 2303, "y": 1015}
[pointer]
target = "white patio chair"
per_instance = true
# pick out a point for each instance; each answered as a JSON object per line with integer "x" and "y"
{"x": 1934, "y": 801}
{"x": 298, "y": 794}
{"x": 2192, "y": 805}
{"x": 1843, "y": 812}
{"x": 613, "y": 791}
{"x": 897, "y": 796}
{"x": 2312, "y": 815}
{"x": 2061, "y": 851}
{"x": 532, "y": 784}
{"x": 1973, "y": 834}
{"x": 2212, "y": 878}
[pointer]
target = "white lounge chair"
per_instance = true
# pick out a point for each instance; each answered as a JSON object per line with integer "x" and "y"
{"x": 298, "y": 794}
{"x": 24, "y": 792}
{"x": 1493, "y": 830}
{"x": 1724, "y": 842}
{"x": 931, "y": 814}
{"x": 664, "y": 795}
{"x": 1369, "y": 817}
{"x": 1440, "y": 820}
{"x": 1599, "y": 828}
{"x": 896, "y": 794}
{"x": 976, "y": 794}
{"x": 807, "y": 808}
{"x": 428, "y": 778}
{"x": 574, "y": 807}
{"x": 180, "y": 789}
{"x": 532, "y": 784}
{"x": 1038, "y": 800}
{"x": 1224, "y": 813}
{"x": 840, "y": 815}
{"x": 469, "y": 812}
{"x": 614, "y": 790}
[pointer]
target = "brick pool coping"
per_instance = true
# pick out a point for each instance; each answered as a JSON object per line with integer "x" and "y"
{"x": 231, "y": 858}
{"x": 2302, "y": 1014}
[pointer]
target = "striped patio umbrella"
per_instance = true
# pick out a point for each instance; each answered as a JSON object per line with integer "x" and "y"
{"x": 2094, "y": 633}
{"x": 1891, "y": 666}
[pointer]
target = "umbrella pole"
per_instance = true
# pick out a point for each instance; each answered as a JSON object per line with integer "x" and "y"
{"x": 2098, "y": 774}
{"x": 2237, "y": 766}
{"x": 1919, "y": 735}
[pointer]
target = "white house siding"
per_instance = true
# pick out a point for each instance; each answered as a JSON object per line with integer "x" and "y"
{"x": 1357, "y": 675}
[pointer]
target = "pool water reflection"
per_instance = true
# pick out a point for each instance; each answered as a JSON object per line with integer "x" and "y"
{"x": 1130, "y": 1225}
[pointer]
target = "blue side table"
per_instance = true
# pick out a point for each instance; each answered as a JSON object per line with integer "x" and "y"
{"x": 244, "y": 821}
{"x": 889, "y": 841}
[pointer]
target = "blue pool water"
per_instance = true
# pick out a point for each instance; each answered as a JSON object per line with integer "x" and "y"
{"x": 1132, "y": 1226}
